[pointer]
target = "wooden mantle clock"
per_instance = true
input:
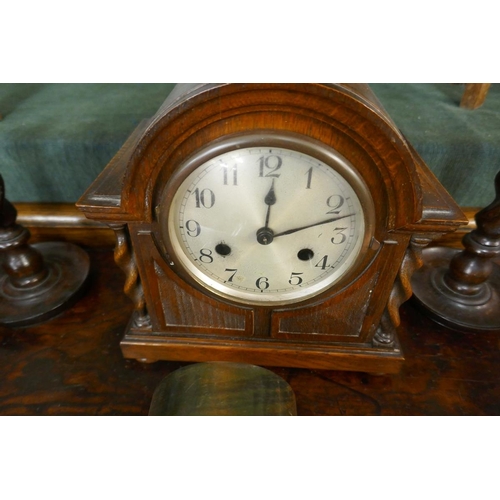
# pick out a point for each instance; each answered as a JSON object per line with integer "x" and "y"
{"x": 273, "y": 224}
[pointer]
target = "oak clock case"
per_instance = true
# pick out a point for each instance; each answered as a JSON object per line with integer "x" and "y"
{"x": 273, "y": 224}
{"x": 254, "y": 222}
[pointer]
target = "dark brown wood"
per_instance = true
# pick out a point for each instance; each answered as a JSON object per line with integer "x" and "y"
{"x": 37, "y": 281}
{"x": 349, "y": 327}
{"x": 223, "y": 389}
{"x": 62, "y": 222}
{"x": 461, "y": 288}
{"x": 73, "y": 365}
{"x": 474, "y": 95}
{"x": 454, "y": 240}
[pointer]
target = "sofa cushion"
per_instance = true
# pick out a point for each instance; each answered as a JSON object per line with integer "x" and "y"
{"x": 56, "y": 138}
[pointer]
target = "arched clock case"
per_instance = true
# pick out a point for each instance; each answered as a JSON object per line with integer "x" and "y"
{"x": 273, "y": 224}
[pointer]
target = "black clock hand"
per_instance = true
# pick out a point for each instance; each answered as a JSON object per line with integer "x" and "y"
{"x": 269, "y": 200}
{"x": 333, "y": 219}
{"x": 265, "y": 234}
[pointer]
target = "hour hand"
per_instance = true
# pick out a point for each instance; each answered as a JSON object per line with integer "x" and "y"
{"x": 327, "y": 221}
{"x": 265, "y": 234}
{"x": 269, "y": 200}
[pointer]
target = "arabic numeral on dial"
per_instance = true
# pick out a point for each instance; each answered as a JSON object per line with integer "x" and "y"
{"x": 295, "y": 279}
{"x": 335, "y": 201}
{"x": 339, "y": 236}
{"x": 204, "y": 198}
{"x": 323, "y": 263}
{"x": 269, "y": 165}
{"x": 226, "y": 175}
{"x": 309, "y": 178}
{"x": 193, "y": 229}
{"x": 262, "y": 284}
{"x": 233, "y": 271}
{"x": 206, "y": 256}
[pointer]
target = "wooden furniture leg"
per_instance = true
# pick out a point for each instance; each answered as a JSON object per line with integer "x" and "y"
{"x": 37, "y": 281}
{"x": 474, "y": 95}
{"x": 461, "y": 289}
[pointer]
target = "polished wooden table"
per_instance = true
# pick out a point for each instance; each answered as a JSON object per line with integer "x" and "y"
{"x": 73, "y": 365}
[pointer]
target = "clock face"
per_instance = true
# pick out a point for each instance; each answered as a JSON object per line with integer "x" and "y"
{"x": 266, "y": 225}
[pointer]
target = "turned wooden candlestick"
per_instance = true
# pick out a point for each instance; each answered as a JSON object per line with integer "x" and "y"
{"x": 461, "y": 289}
{"x": 37, "y": 281}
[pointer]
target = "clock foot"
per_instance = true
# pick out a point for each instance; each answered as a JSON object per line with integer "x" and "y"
{"x": 147, "y": 361}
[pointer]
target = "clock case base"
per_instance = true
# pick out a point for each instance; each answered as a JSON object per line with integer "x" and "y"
{"x": 150, "y": 347}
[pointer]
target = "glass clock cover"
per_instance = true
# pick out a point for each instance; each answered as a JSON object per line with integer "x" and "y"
{"x": 267, "y": 225}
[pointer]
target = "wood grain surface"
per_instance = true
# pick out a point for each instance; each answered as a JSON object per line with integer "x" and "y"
{"x": 176, "y": 305}
{"x": 73, "y": 365}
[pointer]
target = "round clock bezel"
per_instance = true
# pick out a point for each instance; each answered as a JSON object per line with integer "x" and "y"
{"x": 273, "y": 139}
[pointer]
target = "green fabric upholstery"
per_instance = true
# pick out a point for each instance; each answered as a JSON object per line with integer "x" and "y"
{"x": 56, "y": 138}
{"x": 461, "y": 146}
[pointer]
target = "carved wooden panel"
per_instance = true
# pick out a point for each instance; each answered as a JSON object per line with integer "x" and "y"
{"x": 181, "y": 308}
{"x": 330, "y": 323}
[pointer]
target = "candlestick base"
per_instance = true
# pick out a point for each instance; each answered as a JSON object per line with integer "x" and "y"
{"x": 67, "y": 271}
{"x": 468, "y": 313}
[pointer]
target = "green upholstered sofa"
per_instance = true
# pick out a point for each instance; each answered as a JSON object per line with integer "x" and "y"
{"x": 56, "y": 138}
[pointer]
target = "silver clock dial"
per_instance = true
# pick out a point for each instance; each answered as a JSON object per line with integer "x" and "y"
{"x": 266, "y": 225}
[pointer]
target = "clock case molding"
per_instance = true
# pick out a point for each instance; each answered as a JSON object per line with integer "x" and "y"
{"x": 351, "y": 326}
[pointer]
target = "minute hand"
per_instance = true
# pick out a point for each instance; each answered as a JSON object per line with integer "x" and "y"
{"x": 327, "y": 221}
